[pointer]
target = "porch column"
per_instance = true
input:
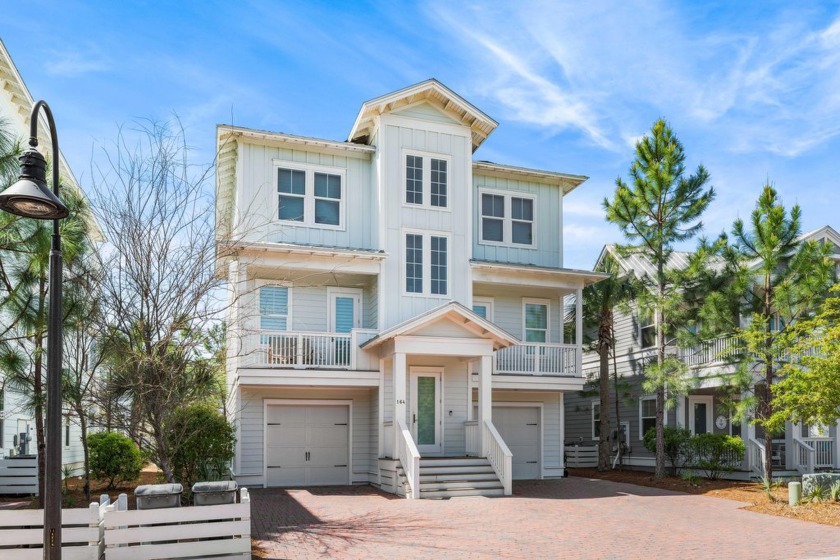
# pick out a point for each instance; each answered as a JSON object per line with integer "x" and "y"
{"x": 399, "y": 396}
{"x": 485, "y": 397}
{"x": 579, "y": 331}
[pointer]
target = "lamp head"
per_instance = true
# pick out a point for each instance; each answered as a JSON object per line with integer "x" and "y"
{"x": 30, "y": 197}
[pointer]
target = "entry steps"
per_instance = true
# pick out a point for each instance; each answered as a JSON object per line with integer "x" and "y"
{"x": 452, "y": 477}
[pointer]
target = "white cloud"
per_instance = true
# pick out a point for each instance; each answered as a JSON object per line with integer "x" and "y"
{"x": 69, "y": 63}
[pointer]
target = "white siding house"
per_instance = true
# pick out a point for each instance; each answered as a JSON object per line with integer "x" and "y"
{"x": 397, "y": 309}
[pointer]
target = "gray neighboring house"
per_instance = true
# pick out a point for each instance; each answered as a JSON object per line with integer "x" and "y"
{"x": 799, "y": 450}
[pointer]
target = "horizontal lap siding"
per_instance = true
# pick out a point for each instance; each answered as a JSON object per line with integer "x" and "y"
{"x": 253, "y": 424}
{"x": 310, "y": 309}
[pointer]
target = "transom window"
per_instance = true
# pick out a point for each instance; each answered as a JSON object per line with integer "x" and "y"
{"x": 536, "y": 320}
{"x": 310, "y": 197}
{"x": 507, "y": 219}
{"x": 647, "y": 416}
{"x": 426, "y": 174}
{"x": 426, "y": 257}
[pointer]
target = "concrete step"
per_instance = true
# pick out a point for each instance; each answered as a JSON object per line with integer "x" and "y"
{"x": 463, "y": 485}
{"x": 471, "y": 469}
{"x": 452, "y": 462}
{"x": 457, "y": 493}
{"x": 457, "y": 476}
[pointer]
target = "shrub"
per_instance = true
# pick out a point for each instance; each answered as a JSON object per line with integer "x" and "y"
{"x": 716, "y": 454}
{"x": 203, "y": 441}
{"x": 677, "y": 449}
{"x": 114, "y": 457}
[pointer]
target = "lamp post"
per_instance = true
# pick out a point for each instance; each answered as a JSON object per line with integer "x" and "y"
{"x": 31, "y": 198}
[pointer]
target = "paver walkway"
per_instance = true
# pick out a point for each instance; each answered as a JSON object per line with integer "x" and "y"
{"x": 569, "y": 518}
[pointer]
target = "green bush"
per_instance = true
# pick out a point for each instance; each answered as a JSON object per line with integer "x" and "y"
{"x": 115, "y": 458}
{"x": 677, "y": 449}
{"x": 716, "y": 454}
{"x": 203, "y": 441}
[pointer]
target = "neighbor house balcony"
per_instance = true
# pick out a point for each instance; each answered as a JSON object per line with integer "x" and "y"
{"x": 539, "y": 359}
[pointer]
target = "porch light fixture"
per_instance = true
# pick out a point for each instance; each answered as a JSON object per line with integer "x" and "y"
{"x": 30, "y": 198}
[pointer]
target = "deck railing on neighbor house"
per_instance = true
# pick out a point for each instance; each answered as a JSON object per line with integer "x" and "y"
{"x": 813, "y": 453}
{"x": 715, "y": 351}
{"x": 538, "y": 359}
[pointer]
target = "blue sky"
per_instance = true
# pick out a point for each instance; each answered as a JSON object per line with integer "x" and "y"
{"x": 752, "y": 90}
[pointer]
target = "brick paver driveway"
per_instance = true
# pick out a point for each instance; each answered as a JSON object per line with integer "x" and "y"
{"x": 569, "y": 518}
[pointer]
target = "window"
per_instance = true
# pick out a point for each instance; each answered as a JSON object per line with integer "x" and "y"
{"x": 67, "y": 431}
{"x": 507, "y": 219}
{"x": 647, "y": 331}
{"x": 413, "y": 179}
{"x": 310, "y": 196}
{"x": 426, "y": 256}
{"x": 647, "y": 416}
{"x": 536, "y": 321}
{"x": 274, "y": 308}
{"x": 596, "y": 420}
{"x": 483, "y": 306}
{"x": 414, "y": 263}
{"x": 426, "y": 174}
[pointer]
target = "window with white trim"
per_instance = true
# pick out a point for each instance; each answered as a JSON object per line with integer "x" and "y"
{"x": 647, "y": 415}
{"x": 596, "y": 420}
{"x": 426, "y": 257}
{"x": 535, "y": 320}
{"x": 647, "y": 331}
{"x": 274, "y": 308}
{"x": 310, "y": 196}
{"x": 424, "y": 173}
{"x": 483, "y": 306}
{"x": 506, "y": 219}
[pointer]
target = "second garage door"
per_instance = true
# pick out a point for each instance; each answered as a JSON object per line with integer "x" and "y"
{"x": 520, "y": 428}
{"x": 307, "y": 445}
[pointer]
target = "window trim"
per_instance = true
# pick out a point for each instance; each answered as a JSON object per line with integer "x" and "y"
{"x": 507, "y": 221}
{"x": 357, "y": 294}
{"x": 592, "y": 406}
{"x": 709, "y": 401}
{"x": 487, "y": 302}
{"x": 427, "y": 263}
{"x": 427, "y": 158}
{"x": 641, "y": 418}
{"x": 259, "y": 284}
{"x": 537, "y": 301}
{"x": 309, "y": 197}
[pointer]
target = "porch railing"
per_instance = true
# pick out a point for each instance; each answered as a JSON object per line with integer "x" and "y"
{"x": 714, "y": 351}
{"x": 757, "y": 457}
{"x": 410, "y": 460}
{"x": 823, "y": 451}
{"x": 499, "y": 456}
{"x": 538, "y": 359}
{"x": 473, "y": 438}
{"x": 804, "y": 456}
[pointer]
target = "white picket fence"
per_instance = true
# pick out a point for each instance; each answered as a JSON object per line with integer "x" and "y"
{"x": 112, "y": 532}
{"x": 19, "y": 476}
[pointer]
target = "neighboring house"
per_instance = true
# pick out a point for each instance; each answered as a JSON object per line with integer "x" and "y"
{"x": 17, "y": 424}
{"x": 701, "y": 411}
{"x": 394, "y": 299}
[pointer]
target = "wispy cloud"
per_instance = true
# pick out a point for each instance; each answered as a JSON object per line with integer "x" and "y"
{"x": 71, "y": 63}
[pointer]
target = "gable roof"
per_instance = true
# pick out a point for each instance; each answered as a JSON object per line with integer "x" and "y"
{"x": 432, "y": 92}
{"x": 454, "y": 311}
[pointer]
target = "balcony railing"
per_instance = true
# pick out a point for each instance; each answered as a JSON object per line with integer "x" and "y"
{"x": 716, "y": 351}
{"x": 538, "y": 359}
{"x": 286, "y": 349}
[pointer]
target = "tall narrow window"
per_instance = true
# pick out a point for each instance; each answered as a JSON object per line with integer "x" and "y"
{"x": 536, "y": 322}
{"x": 414, "y": 179}
{"x": 522, "y": 220}
{"x": 291, "y": 186}
{"x": 647, "y": 331}
{"x": 438, "y": 261}
{"x": 492, "y": 217}
{"x": 647, "y": 416}
{"x": 438, "y": 185}
{"x": 274, "y": 308}
{"x": 327, "y": 199}
{"x": 596, "y": 420}
{"x": 67, "y": 431}
{"x": 414, "y": 263}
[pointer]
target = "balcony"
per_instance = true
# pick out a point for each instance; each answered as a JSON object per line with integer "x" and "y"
{"x": 539, "y": 359}
{"x": 312, "y": 350}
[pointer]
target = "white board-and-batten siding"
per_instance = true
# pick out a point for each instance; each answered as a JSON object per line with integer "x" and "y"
{"x": 252, "y": 427}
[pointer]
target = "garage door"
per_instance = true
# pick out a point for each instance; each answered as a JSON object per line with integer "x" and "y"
{"x": 520, "y": 428}
{"x": 307, "y": 445}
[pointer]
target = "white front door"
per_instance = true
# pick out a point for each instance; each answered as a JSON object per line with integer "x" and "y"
{"x": 307, "y": 445}
{"x": 426, "y": 420}
{"x": 345, "y": 309}
{"x": 700, "y": 414}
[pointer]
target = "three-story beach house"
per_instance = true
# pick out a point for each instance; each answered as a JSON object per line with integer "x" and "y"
{"x": 397, "y": 312}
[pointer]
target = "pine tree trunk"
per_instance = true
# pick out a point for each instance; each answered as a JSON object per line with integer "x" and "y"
{"x": 620, "y": 440}
{"x": 83, "y": 426}
{"x": 604, "y": 407}
{"x": 659, "y": 474}
{"x": 766, "y": 406}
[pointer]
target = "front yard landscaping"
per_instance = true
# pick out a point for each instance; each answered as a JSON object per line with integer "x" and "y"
{"x": 750, "y": 493}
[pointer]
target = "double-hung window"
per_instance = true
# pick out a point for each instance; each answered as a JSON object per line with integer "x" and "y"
{"x": 536, "y": 320}
{"x": 647, "y": 331}
{"x": 426, "y": 181}
{"x": 506, "y": 219}
{"x": 311, "y": 196}
{"x": 596, "y": 420}
{"x": 647, "y": 416}
{"x": 426, "y": 264}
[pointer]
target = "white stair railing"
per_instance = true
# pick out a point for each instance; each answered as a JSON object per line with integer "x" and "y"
{"x": 824, "y": 451}
{"x": 410, "y": 460}
{"x": 499, "y": 456}
{"x": 473, "y": 438}
{"x": 757, "y": 457}
{"x": 804, "y": 456}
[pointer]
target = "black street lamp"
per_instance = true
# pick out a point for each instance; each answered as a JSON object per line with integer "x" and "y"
{"x": 31, "y": 198}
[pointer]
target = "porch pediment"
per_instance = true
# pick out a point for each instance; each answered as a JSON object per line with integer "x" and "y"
{"x": 449, "y": 322}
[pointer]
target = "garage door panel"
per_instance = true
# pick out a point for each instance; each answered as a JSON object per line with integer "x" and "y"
{"x": 287, "y": 476}
{"x": 327, "y": 436}
{"x": 286, "y": 414}
{"x": 520, "y": 429}
{"x": 285, "y": 436}
{"x": 326, "y": 415}
{"x": 327, "y": 456}
{"x": 321, "y": 476}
